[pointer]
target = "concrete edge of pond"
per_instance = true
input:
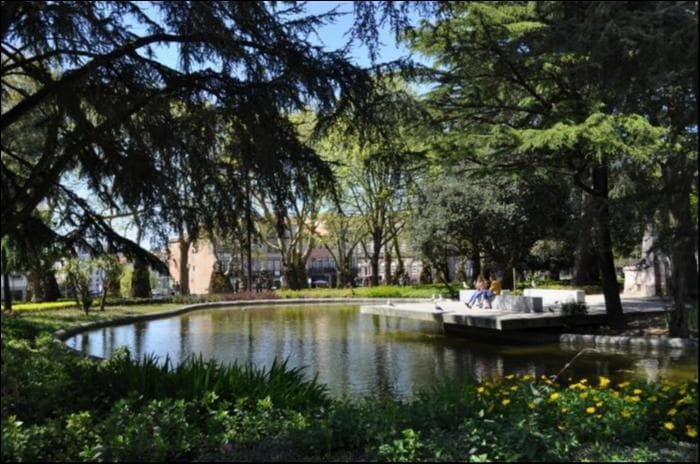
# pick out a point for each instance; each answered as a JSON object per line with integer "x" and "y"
{"x": 63, "y": 334}
{"x": 619, "y": 341}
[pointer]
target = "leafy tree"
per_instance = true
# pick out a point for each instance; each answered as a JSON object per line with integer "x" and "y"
{"x": 377, "y": 169}
{"x": 341, "y": 236}
{"x": 529, "y": 84}
{"x": 218, "y": 282}
{"x": 291, "y": 229}
{"x": 131, "y": 126}
{"x": 501, "y": 215}
{"x": 111, "y": 270}
{"x": 78, "y": 274}
{"x": 140, "y": 280}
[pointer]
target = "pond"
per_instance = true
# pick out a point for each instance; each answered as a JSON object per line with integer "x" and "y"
{"x": 358, "y": 354}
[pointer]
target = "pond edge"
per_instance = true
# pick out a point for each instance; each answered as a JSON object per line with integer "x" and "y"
{"x": 566, "y": 338}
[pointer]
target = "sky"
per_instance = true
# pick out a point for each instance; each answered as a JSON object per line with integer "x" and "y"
{"x": 331, "y": 36}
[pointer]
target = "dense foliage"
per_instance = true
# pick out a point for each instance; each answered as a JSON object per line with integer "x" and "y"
{"x": 547, "y": 86}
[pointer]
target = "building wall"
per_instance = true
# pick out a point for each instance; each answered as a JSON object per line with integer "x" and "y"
{"x": 18, "y": 287}
{"x": 200, "y": 263}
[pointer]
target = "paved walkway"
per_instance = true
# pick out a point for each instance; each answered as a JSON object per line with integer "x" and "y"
{"x": 456, "y": 313}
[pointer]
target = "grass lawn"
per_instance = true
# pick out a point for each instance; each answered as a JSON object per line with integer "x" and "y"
{"x": 48, "y": 321}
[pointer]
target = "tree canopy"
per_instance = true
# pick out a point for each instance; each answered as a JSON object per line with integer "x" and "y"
{"x": 82, "y": 92}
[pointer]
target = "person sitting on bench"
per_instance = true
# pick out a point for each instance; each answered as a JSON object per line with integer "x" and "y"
{"x": 494, "y": 290}
{"x": 480, "y": 290}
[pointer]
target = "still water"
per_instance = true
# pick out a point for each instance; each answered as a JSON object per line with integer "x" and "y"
{"x": 359, "y": 354}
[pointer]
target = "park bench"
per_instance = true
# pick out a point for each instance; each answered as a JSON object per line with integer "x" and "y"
{"x": 508, "y": 302}
{"x": 556, "y": 297}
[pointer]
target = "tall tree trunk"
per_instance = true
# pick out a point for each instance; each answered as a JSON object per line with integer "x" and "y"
{"x": 400, "y": 269}
{"x": 34, "y": 286}
{"x": 476, "y": 264}
{"x": 50, "y": 286}
{"x": 184, "y": 265}
{"x": 103, "y": 297}
{"x": 140, "y": 280}
{"x": 374, "y": 259}
{"x": 461, "y": 275}
{"x": 295, "y": 274}
{"x": 7, "y": 296}
{"x": 387, "y": 265}
{"x": 585, "y": 259}
{"x": 613, "y": 305}
{"x": 684, "y": 274}
{"x": 508, "y": 275}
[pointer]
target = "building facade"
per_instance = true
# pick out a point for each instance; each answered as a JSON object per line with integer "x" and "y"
{"x": 18, "y": 286}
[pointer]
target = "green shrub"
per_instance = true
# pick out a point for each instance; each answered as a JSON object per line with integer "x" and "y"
{"x": 219, "y": 283}
{"x": 402, "y": 449}
{"x": 382, "y": 291}
{"x": 78, "y": 277}
{"x": 160, "y": 430}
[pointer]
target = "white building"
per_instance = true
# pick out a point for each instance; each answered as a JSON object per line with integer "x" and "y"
{"x": 18, "y": 286}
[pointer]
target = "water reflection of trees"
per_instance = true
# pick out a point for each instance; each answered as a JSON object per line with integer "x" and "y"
{"x": 356, "y": 354}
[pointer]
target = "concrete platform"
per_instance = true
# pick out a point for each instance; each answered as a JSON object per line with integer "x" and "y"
{"x": 455, "y": 315}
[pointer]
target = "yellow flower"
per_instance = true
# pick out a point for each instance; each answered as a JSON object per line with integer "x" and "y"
{"x": 583, "y": 396}
{"x": 532, "y": 406}
{"x": 599, "y": 404}
{"x": 669, "y": 426}
{"x": 528, "y": 377}
{"x": 514, "y": 388}
{"x": 623, "y": 384}
{"x": 632, "y": 399}
{"x": 510, "y": 377}
{"x": 652, "y": 399}
{"x": 616, "y": 394}
{"x": 625, "y": 413}
{"x": 583, "y": 381}
{"x": 691, "y": 431}
{"x": 672, "y": 412}
{"x": 564, "y": 410}
{"x": 637, "y": 391}
{"x": 480, "y": 390}
{"x": 590, "y": 410}
{"x": 505, "y": 402}
{"x": 562, "y": 427}
{"x": 554, "y": 397}
{"x": 604, "y": 381}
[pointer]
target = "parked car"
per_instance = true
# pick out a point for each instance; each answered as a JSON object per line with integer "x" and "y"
{"x": 163, "y": 292}
{"x": 319, "y": 284}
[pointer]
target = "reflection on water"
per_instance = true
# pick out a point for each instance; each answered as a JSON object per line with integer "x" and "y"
{"x": 357, "y": 354}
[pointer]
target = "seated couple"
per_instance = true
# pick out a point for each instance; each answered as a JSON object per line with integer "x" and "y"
{"x": 483, "y": 293}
